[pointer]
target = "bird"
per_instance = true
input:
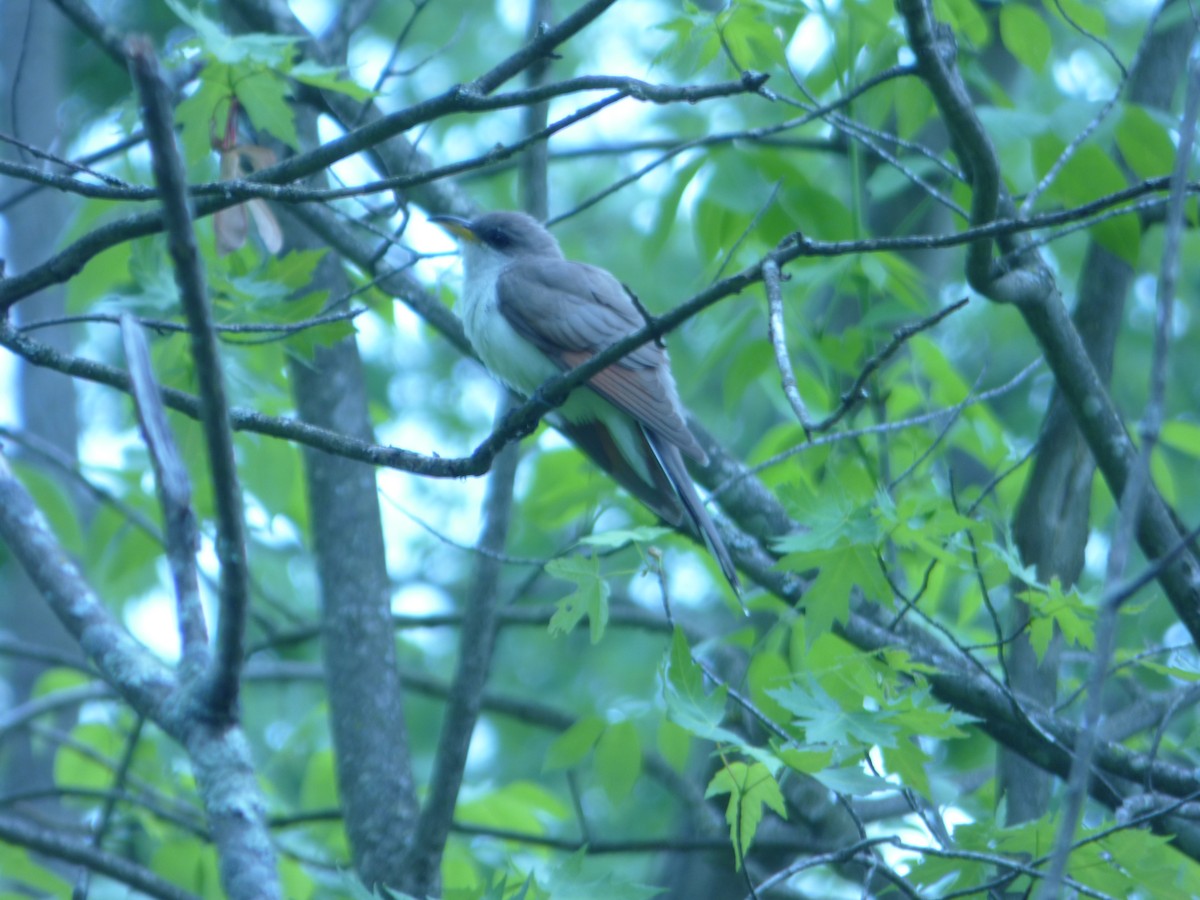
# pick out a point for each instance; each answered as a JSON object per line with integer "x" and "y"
{"x": 530, "y": 314}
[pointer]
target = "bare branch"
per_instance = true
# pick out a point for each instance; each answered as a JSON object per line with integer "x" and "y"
{"x": 1137, "y": 488}
{"x": 215, "y": 745}
{"x": 174, "y": 496}
{"x": 273, "y": 331}
{"x": 221, "y": 680}
{"x": 124, "y": 663}
{"x": 1029, "y": 284}
{"x": 15, "y": 830}
{"x": 86, "y": 19}
{"x": 1078, "y": 141}
{"x": 476, "y": 643}
{"x": 778, "y": 335}
{"x": 857, "y": 391}
{"x": 83, "y": 882}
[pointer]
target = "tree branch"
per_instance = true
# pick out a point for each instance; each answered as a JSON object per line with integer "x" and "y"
{"x": 476, "y": 643}
{"x": 216, "y": 746}
{"x": 1030, "y": 286}
{"x": 1137, "y": 488}
{"x": 174, "y": 496}
{"x": 15, "y": 830}
{"x": 220, "y": 688}
{"x": 123, "y": 662}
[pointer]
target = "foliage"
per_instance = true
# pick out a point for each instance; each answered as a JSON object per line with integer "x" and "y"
{"x": 842, "y": 738}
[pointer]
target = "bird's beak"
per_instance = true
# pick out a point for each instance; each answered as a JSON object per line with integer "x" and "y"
{"x": 457, "y": 226}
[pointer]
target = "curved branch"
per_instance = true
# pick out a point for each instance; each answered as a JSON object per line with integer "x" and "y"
{"x": 935, "y": 49}
{"x": 1029, "y": 284}
{"x": 174, "y": 497}
{"x": 135, "y": 672}
{"x": 220, "y": 690}
{"x": 17, "y": 831}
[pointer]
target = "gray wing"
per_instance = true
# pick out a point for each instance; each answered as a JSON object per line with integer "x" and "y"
{"x": 571, "y": 311}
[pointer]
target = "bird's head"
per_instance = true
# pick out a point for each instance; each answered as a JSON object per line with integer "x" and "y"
{"x": 510, "y": 234}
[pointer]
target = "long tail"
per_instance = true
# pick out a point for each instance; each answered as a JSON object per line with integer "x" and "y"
{"x": 672, "y": 462}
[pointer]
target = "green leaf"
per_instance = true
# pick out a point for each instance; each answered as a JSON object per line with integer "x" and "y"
{"x": 1025, "y": 34}
{"x": 1146, "y": 859}
{"x": 619, "y": 760}
{"x": 688, "y": 705}
{"x": 328, "y": 79}
{"x": 53, "y": 680}
{"x": 825, "y": 721}
{"x": 667, "y": 209}
{"x": 520, "y": 806}
{"x": 619, "y": 537}
{"x": 1145, "y": 143}
{"x": 270, "y": 50}
{"x": 104, "y": 273}
{"x": 907, "y": 761}
{"x": 319, "y": 787}
{"x": 693, "y": 45}
{"x": 767, "y": 671}
{"x": 80, "y": 768}
{"x": 964, "y": 16}
{"x": 751, "y": 788}
{"x": 570, "y": 747}
{"x": 852, "y": 780}
{"x": 833, "y": 517}
{"x": 1068, "y": 610}
{"x": 1088, "y": 175}
{"x": 674, "y": 744}
{"x": 924, "y": 717}
{"x": 189, "y": 862}
{"x": 201, "y": 111}
{"x": 21, "y": 871}
{"x": 462, "y": 877}
{"x": 752, "y": 41}
{"x": 572, "y": 881}
{"x": 265, "y": 97}
{"x": 807, "y": 761}
{"x": 1175, "y": 671}
{"x": 842, "y": 569}
{"x": 296, "y": 883}
{"x": 1083, "y": 14}
{"x": 590, "y": 597}
{"x": 294, "y": 271}
{"x": 564, "y": 488}
{"x": 208, "y": 32}
{"x": 55, "y": 504}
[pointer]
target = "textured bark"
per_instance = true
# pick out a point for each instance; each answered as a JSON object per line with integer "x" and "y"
{"x": 365, "y": 692}
{"x": 45, "y": 399}
{"x": 1051, "y": 524}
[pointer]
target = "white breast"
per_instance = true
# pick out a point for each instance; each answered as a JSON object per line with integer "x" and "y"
{"x": 507, "y": 355}
{"x": 521, "y": 365}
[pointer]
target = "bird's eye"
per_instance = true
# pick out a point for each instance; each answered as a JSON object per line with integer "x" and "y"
{"x": 498, "y": 238}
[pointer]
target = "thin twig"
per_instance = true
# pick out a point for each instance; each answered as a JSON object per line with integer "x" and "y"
{"x": 852, "y": 397}
{"x": 277, "y": 330}
{"x": 80, "y": 891}
{"x": 53, "y": 844}
{"x": 778, "y": 335}
{"x": 1086, "y": 132}
{"x": 883, "y": 427}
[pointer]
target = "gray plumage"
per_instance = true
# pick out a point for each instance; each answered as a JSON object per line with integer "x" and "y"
{"x": 530, "y": 313}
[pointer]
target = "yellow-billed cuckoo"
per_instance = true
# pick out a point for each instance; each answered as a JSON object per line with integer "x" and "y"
{"x": 531, "y": 314}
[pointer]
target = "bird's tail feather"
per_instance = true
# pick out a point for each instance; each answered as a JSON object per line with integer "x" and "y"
{"x": 672, "y": 462}
{"x": 670, "y": 494}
